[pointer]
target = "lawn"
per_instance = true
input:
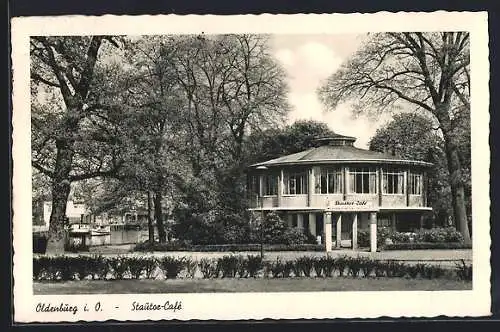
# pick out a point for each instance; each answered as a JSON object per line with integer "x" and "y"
{"x": 247, "y": 285}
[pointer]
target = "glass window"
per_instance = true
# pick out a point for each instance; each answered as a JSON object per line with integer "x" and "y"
{"x": 416, "y": 181}
{"x": 295, "y": 183}
{"x": 363, "y": 180}
{"x": 329, "y": 181}
{"x": 271, "y": 185}
{"x": 254, "y": 185}
{"x": 392, "y": 181}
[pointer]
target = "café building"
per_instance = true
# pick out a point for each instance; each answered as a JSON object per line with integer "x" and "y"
{"x": 335, "y": 189}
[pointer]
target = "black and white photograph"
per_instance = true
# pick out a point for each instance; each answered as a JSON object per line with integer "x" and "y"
{"x": 320, "y": 166}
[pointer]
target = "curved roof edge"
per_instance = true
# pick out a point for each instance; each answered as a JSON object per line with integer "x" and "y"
{"x": 272, "y": 163}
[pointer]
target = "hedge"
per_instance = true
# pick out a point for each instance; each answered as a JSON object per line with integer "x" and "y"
{"x": 63, "y": 268}
{"x": 179, "y": 246}
{"x": 40, "y": 240}
{"x": 426, "y": 245}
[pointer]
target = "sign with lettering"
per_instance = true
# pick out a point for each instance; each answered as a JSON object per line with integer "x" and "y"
{"x": 348, "y": 205}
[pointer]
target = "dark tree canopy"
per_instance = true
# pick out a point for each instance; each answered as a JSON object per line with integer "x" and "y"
{"x": 293, "y": 138}
{"x": 413, "y": 136}
{"x": 150, "y": 115}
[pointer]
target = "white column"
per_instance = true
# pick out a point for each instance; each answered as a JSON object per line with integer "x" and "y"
{"x": 339, "y": 231}
{"x": 327, "y": 230}
{"x": 300, "y": 220}
{"x": 261, "y": 186}
{"x": 355, "y": 231}
{"x": 312, "y": 224}
{"x": 290, "y": 219}
{"x": 373, "y": 231}
{"x": 280, "y": 188}
{"x": 310, "y": 187}
{"x": 406, "y": 192}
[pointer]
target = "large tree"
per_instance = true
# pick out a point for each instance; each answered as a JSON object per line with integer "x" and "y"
{"x": 232, "y": 86}
{"x": 71, "y": 138}
{"x": 423, "y": 72}
{"x": 155, "y": 111}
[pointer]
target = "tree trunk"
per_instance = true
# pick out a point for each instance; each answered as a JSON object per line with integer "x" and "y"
{"x": 162, "y": 235}
{"x": 151, "y": 230}
{"x": 457, "y": 185}
{"x": 61, "y": 186}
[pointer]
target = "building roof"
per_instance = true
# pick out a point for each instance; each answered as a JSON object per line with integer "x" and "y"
{"x": 338, "y": 153}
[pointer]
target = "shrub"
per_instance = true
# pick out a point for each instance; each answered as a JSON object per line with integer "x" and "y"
{"x": 171, "y": 266}
{"x": 267, "y": 267}
{"x": 395, "y": 269}
{"x": 254, "y": 265}
{"x": 39, "y": 243}
{"x": 426, "y": 245}
{"x": 431, "y": 272}
{"x": 354, "y": 266}
{"x": 294, "y": 236}
{"x": 439, "y": 235}
{"x": 412, "y": 271}
{"x": 288, "y": 268}
{"x": 296, "y": 269}
{"x": 304, "y": 265}
{"x": 136, "y": 266}
{"x": 242, "y": 267}
{"x": 341, "y": 264}
{"x": 280, "y": 269}
{"x": 99, "y": 267}
{"x": 363, "y": 238}
{"x": 235, "y": 228}
{"x": 119, "y": 267}
{"x": 38, "y": 268}
{"x": 184, "y": 246}
{"x": 380, "y": 268}
{"x": 464, "y": 271}
{"x": 61, "y": 268}
{"x": 209, "y": 268}
{"x": 367, "y": 266}
{"x": 51, "y": 268}
{"x": 416, "y": 270}
{"x": 399, "y": 237}
{"x": 273, "y": 229}
{"x": 82, "y": 266}
{"x": 329, "y": 265}
{"x": 191, "y": 267}
{"x": 228, "y": 265}
{"x": 150, "y": 265}
{"x": 383, "y": 233}
{"x": 276, "y": 268}
{"x": 319, "y": 267}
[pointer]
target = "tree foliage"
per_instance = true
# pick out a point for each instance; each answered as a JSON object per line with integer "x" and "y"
{"x": 413, "y": 136}
{"x": 277, "y": 142}
{"x": 162, "y": 115}
{"x": 67, "y": 108}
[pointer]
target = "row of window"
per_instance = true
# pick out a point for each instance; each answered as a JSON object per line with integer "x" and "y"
{"x": 330, "y": 181}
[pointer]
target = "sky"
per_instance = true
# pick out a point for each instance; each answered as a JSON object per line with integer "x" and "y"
{"x": 308, "y": 61}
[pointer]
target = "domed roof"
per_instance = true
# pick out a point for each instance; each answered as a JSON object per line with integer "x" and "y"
{"x": 338, "y": 149}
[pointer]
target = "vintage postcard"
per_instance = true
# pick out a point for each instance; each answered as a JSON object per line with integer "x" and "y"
{"x": 250, "y": 167}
